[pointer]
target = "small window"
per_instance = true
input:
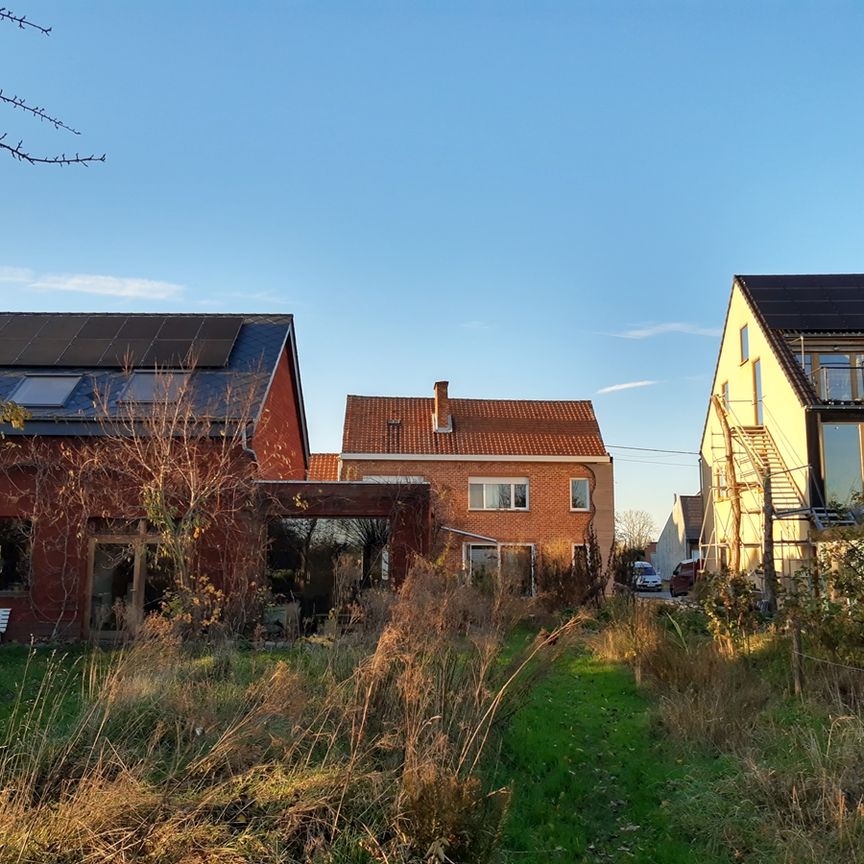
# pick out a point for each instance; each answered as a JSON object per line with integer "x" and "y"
{"x": 148, "y": 387}
{"x": 580, "y": 494}
{"x": 498, "y": 493}
{"x": 14, "y": 554}
{"x": 721, "y": 489}
{"x": 580, "y": 557}
{"x": 726, "y": 400}
{"x": 45, "y": 391}
{"x": 745, "y": 344}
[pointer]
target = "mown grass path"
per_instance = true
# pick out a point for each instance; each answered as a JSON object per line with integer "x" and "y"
{"x": 593, "y": 780}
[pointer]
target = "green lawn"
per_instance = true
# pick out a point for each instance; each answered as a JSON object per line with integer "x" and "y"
{"x": 35, "y": 669}
{"x": 592, "y": 778}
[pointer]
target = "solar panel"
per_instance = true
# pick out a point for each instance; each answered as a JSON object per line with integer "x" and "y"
{"x": 27, "y": 326}
{"x": 223, "y": 327}
{"x": 125, "y": 352}
{"x": 116, "y": 340}
{"x": 168, "y": 352}
{"x": 101, "y": 327}
{"x": 181, "y": 328}
{"x": 61, "y": 326}
{"x": 42, "y": 352}
{"x": 83, "y": 352}
{"x": 10, "y": 349}
{"x": 140, "y": 328}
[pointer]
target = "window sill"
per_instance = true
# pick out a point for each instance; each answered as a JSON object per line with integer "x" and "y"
{"x": 580, "y": 509}
{"x": 499, "y": 510}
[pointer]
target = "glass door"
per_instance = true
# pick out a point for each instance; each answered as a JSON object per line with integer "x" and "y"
{"x": 114, "y": 572}
{"x": 841, "y": 456}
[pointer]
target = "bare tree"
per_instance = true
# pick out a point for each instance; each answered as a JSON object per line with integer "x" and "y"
{"x": 18, "y": 150}
{"x": 635, "y": 529}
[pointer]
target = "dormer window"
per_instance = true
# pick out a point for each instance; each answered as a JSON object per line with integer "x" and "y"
{"x": 45, "y": 391}
{"x": 150, "y": 387}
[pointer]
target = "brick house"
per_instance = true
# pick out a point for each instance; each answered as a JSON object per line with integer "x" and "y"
{"x": 62, "y": 570}
{"x": 78, "y": 557}
{"x": 511, "y": 479}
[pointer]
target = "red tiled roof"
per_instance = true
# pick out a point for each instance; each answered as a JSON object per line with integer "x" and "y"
{"x": 481, "y": 427}
{"x": 323, "y": 467}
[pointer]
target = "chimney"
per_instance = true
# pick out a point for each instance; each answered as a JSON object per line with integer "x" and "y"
{"x": 441, "y": 419}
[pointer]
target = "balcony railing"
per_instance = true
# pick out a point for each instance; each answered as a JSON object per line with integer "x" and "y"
{"x": 839, "y": 383}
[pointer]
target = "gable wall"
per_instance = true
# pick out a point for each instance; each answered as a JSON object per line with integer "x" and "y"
{"x": 278, "y": 438}
{"x": 784, "y": 417}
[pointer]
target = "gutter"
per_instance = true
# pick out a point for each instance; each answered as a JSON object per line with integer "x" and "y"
{"x": 470, "y": 534}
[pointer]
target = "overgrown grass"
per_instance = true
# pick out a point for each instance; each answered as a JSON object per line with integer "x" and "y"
{"x": 791, "y": 785}
{"x": 369, "y": 750}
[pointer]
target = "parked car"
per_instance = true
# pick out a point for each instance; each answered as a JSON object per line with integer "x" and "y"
{"x": 684, "y": 576}
{"x": 645, "y": 577}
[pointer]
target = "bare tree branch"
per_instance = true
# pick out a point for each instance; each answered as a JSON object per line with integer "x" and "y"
{"x": 21, "y": 21}
{"x": 17, "y": 152}
{"x": 18, "y": 102}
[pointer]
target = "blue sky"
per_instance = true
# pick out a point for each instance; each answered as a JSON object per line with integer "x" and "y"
{"x": 533, "y": 200}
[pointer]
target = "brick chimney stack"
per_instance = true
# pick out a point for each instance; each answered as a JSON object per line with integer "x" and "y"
{"x": 441, "y": 419}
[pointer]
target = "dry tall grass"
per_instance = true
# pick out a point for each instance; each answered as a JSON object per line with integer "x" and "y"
{"x": 366, "y": 751}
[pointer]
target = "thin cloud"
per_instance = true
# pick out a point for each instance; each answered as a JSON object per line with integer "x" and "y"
{"x": 109, "y": 286}
{"x": 476, "y": 325}
{"x": 270, "y": 297}
{"x": 650, "y": 330}
{"x": 629, "y": 385}
{"x": 18, "y": 275}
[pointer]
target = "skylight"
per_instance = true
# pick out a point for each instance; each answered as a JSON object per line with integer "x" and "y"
{"x": 45, "y": 391}
{"x": 149, "y": 387}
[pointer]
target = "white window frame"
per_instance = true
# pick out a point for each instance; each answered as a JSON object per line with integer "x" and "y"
{"x": 587, "y": 482}
{"x": 466, "y": 559}
{"x": 501, "y": 481}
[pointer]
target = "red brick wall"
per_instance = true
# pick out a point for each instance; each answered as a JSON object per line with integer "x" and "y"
{"x": 278, "y": 438}
{"x": 548, "y": 521}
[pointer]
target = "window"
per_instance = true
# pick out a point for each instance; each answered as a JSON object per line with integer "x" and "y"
{"x": 580, "y": 557}
{"x": 721, "y": 489}
{"x": 726, "y": 400}
{"x": 745, "y": 344}
{"x": 580, "y": 494}
{"x": 757, "y": 392}
{"x": 841, "y": 456}
{"x": 513, "y": 563}
{"x": 45, "y": 391}
{"x": 498, "y": 493}
{"x": 147, "y": 387}
{"x": 14, "y": 554}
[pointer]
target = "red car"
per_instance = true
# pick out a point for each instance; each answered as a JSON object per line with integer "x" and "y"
{"x": 684, "y": 576}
